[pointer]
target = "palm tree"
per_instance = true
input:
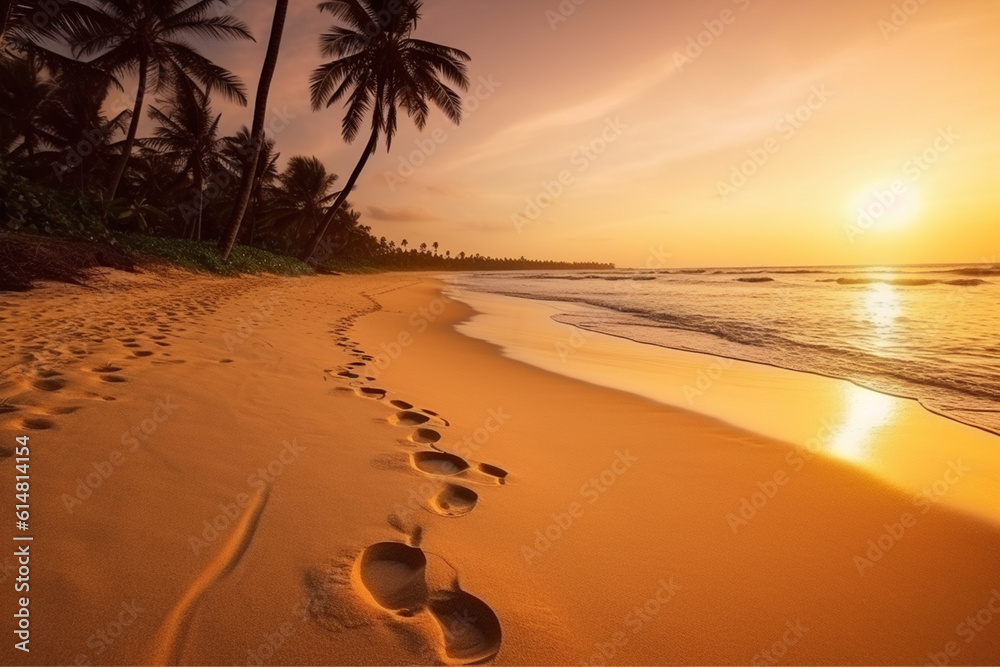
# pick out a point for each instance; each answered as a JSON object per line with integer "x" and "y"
{"x": 423, "y": 247}
{"x": 188, "y": 132}
{"x": 13, "y": 18}
{"x": 435, "y": 245}
{"x": 447, "y": 254}
{"x": 380, "y": 68}
{"x": 235, "y": 153}
{"x": 27, "y": 91}
{"x": 304, "y": 191}
{"x": 148, "y": 37}
{"x": 76, "y": 128}
{"x": 404, "y": 243}
{"x": 257, "y": 133}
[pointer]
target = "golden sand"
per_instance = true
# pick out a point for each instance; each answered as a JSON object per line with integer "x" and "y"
{"x": 216, "y": 480}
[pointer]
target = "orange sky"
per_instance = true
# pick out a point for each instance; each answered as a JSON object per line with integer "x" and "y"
{"x": 809, "y": 112}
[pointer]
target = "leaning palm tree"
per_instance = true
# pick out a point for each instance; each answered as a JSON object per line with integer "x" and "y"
{"x": 249, "y": 172}
{"x": 188, "y": 132}
{"x": 147, "y": 37}
{"x": 380, "y": 68}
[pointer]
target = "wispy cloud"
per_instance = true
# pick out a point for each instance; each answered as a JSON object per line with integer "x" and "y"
{"x": 516, "y": 137}
{"x": 401, "y": 213}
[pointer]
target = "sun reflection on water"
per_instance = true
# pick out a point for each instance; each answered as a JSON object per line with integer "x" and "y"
{"x": 881, "y": 308}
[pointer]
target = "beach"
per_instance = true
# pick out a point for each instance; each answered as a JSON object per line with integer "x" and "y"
{"x": 324, "y": 470}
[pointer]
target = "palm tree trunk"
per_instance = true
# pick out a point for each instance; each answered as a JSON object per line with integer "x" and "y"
{"x": 133, "y": 128}
{"x": 228, "y": 238}
{"x": 199, "y": 188}
{"x": 332, "y": 211}
{"x": 5, "y": 8}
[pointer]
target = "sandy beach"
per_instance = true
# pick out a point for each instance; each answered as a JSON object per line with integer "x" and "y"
{"x": 213, "y": 485}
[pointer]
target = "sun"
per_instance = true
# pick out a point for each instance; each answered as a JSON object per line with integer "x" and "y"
{"x": 886, "y": 206}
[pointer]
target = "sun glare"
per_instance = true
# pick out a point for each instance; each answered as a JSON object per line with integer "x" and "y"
{"x": 886, "y": 207}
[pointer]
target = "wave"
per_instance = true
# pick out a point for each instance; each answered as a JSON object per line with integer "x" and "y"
{"x": 905, "y": 282}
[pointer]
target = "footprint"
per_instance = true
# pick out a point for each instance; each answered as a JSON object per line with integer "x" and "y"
{"x": 63, "y": 410}
{"x": 49, "y": 384}
{"x": 454, "y": 501}
{"x": 370, "y": 392}
{"x": 470, "y": 628}
{"x": 408, "y": 418}
{"x": 37, "y": 423}
{"x": 393, "y": 573}
{"x": 438, "y": 463}
{"x": 425, "y": 436}
{"x": 225, "y": 361}
{"x": 348, "y": 374}
{"x": 142, "y": 353}
{"x": 107, "y": 368}
{"x": 493, "y": 471}
{"x": 114, "y": 379}
{"x": 402, "y": 405}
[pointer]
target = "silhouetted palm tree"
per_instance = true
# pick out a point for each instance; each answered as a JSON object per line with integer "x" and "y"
{"x": 75, "y": 128}
{"x": 188, "y": 132}
{"x": 404, "y": 243}
{"x": 379, "y": 68}
{"x": 249, "y": 172}
{"x": 26, "y": 91}
{"x": 305, "y": 191}
{"x": 435, "y": 246}
{"x": 148, "y": 37}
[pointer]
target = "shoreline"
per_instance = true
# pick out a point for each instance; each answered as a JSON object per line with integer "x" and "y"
{"x": 609, "y": 502}
{"x": 688, "y": 379}
{"x": 623, "y": 336}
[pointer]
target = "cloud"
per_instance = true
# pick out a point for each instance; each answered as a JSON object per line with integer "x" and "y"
{"x": 401, "y": 213}
{"x": 515, "y": 138}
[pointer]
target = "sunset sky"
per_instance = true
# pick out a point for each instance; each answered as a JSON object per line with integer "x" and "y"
{"x": 834, "y": 100}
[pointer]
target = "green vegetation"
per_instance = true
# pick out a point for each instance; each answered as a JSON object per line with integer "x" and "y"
{"x": 74, "y": 168}
{"x": 202, "y": 256}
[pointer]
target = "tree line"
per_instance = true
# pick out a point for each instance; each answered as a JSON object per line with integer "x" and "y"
{"x": 65, "y": 63}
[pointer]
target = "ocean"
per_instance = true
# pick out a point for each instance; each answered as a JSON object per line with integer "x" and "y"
{"x": 930, "y": 333}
